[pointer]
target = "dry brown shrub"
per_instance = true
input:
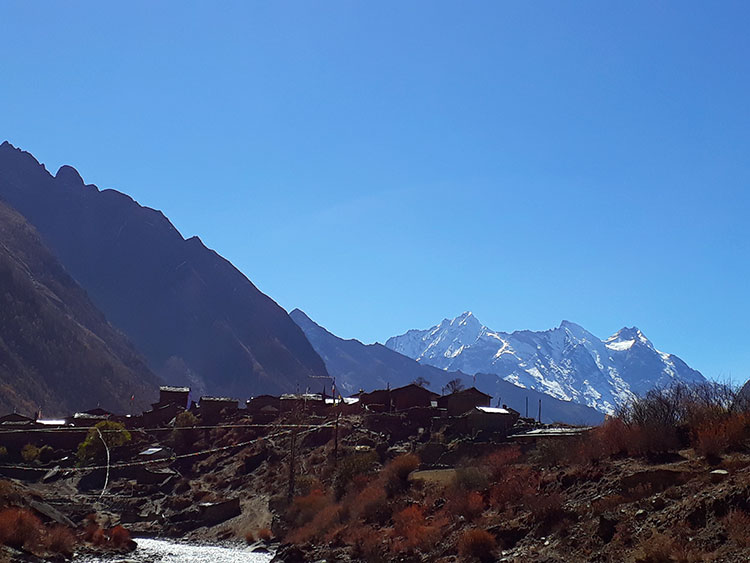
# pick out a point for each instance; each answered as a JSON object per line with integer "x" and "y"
{"x": 304, "y": 508}
{"x": 20, "y": 528}
{"x": 545, "y": 508}
{"x": 716, "y": 437}
{"x": 396, "y": 473}
{"x": 119, "y": 537}
{"x": 477, "y": 544}
{"x": 249, "y": 537}
{"x": 470, "y": 504}
{"x": 371, "y": 503}
{"x": 663, "y": 548}
{"x": 60, "y": 540}
{"x": 737, "y": 523}
{"x": 497, "y": 463}
{"x": 265, "y": 534}
{"x": 523, "y": 481}
{"x": 412, "y": 531}
{"x": 366, "y": 541}
{"x": 318, "y": 526}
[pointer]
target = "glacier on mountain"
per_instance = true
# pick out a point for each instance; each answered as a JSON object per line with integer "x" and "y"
{"x": 566, "y": 362}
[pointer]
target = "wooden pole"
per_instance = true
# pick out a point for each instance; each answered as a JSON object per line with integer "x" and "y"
{"x": 292, "y": 454}
{"x": 540, "y": 411}
{"x": 336, "y": 439}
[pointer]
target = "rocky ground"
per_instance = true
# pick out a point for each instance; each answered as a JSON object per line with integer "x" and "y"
{"x": 390, "y": 493}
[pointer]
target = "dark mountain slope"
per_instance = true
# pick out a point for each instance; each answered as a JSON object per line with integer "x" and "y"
{"x": 373, "y": 366}
{"x": 57, "y": 351}
{"x": 195, "y": 317}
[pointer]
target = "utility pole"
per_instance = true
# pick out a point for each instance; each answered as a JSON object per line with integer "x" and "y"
{"x": 336, "y": 438}
{"x": 292, "y": 458}
{"x": 540, "y": 411}
{"x": 527, "y": 406}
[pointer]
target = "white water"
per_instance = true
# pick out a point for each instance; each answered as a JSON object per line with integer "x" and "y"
{"x": 164, "y": 551}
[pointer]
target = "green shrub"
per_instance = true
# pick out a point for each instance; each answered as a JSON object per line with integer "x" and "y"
{"x": 30, "y": 453}
{"x": 3, "y": 452}
{"x": 92, "y": 448}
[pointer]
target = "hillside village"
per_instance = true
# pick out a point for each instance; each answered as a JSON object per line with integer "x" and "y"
{"x": 385, "y": 472}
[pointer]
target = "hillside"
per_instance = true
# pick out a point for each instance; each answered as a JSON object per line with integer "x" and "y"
{"x": 373, "y": 366}
{"x": 191, "y": 313}
{"x": 567, "y": 362}
{"x": 58, "y": 353}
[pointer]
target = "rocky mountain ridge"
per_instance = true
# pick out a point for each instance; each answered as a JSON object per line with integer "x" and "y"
{"x": 195, "y": 317}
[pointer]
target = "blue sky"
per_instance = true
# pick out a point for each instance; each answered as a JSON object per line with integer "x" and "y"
{"x": 385, "y": 165}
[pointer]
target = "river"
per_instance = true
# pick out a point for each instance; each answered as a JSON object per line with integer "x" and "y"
{"x": 164, "y": 551}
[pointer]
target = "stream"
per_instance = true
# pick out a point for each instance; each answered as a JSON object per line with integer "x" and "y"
{"x": 165, "y": 551}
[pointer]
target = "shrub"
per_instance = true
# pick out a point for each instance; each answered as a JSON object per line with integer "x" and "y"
{"x": 20, "y": 528}
{"x": 114, "y": 435}
{"x": 737, "y": 523}
{"x": 304, "y": 508}
{"x": 471, "y": 479}
{"x": 469, "y": 505}
{"x": 3, "y": 452}
{"x": 359, "y": 463}
{"x": 498, "y": 462}
{"x": 29, "y": 453}
{"x": 477, "y": 544}
{"x": 119, "y": 537}
{"x": 520, "y": 483}
{"x": 367, "y": 543}
{"x": 249, "y": 537}
{"x": 265, "y": 534}
{"x": 716, "y": 437}
{"x": 409, "y": 524}
{"x": 318, "y": 525}
{"x": 662, "y": 548}
{"x": 371, "y": 504}
{"x": 396, "y": 473}
{"x": 61, "y": 540}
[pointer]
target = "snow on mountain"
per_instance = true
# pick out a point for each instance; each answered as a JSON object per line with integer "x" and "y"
{"x": 567, "y": 362}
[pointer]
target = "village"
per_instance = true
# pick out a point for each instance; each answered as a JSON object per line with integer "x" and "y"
{"x": 189, "y": 465}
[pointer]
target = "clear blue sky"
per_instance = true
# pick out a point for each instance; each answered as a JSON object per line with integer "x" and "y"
{"x": 384, "y": 165}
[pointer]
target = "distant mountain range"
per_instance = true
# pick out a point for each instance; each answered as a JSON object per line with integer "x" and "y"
{"x": 567, "y": 362}
{"x": 373, "y": 366}
{"x": 57, "y": 351}
{"x": 194, "y": 317}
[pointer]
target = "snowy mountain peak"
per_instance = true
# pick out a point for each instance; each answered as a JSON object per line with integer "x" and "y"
{"x": 567, "y": 362}
{"x": 626, "y": 338}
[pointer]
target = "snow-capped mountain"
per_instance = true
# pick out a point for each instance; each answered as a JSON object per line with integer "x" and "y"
{"x": 567, "y": 362}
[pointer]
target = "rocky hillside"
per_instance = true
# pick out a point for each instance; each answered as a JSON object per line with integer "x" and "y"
{"x": 191, "y": 313}
{"x": 567, "y": 362}
{"x": 58, "y": 353}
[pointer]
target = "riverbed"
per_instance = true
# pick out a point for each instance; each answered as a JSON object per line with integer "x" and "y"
{"x": 165, "y": 551}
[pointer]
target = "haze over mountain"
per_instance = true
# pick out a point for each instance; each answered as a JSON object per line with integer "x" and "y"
{"x": 58, "y": 353}
{"x": 567, "y": 362}
{"x": 373, "y": 366}
{"x": 194, "y": 316}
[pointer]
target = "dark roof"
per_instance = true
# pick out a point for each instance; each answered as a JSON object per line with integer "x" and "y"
{"x": 469, "y": 391}
{"x": 413, "y": 387}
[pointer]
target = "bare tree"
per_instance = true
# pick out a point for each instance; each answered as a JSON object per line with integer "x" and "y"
{"x": 454, "y": 385}
{"x": 421, "y": 382}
